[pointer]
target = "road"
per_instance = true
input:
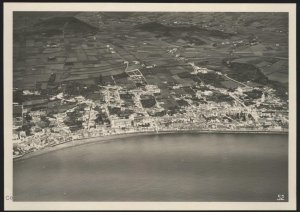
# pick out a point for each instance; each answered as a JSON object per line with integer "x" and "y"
{"x": 235, "y": 81}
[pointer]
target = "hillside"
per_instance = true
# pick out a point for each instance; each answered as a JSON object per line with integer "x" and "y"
{"x": 56, "y": 25}
{"x": 23, "y": 20}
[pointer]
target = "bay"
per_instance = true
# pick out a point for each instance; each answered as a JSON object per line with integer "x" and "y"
{"x": 174, "y": 167}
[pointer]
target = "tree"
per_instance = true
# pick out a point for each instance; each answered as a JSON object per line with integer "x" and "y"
{"x": 27, "y": 128}
{"x": 18, "y": 96}
{"x": 27, "y": 117}
{"x": 52, "y": 78}
{"x": 99, "y": 80}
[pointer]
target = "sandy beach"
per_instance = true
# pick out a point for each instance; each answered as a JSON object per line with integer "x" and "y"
{"x": 107, "y": 138}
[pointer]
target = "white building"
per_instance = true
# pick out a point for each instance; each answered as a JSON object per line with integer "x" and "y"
{"x": 153, "y": 88}
{"x": 120, "y": 123}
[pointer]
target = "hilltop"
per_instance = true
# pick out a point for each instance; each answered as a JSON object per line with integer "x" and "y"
{"x": 188, "y": 33}
{"x": 58, "y": 24}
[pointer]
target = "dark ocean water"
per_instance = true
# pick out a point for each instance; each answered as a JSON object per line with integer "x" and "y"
{"x": 174, "y": 167}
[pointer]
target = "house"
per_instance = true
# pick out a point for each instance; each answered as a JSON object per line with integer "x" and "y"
{"x": 51, "y": 58}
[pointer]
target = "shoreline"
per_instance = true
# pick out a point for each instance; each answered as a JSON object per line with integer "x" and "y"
{"x": 107, "y": 138}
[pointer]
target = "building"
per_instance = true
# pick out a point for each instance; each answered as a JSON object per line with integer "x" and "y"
{"x": 153, "y": 88}
{"x": 120, "y": 123}
{"x": 51, "y": 58}
{"x": 142, "y": 121}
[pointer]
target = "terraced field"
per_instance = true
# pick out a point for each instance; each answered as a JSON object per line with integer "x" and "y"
{"x": 83, "y": 45}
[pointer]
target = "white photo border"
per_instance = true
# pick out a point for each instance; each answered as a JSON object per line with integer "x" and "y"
{"x": 9, "y": 8}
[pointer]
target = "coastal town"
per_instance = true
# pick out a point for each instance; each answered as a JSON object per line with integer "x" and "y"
{"x": 89, "y": 85}
{"x": 113, "y": 109}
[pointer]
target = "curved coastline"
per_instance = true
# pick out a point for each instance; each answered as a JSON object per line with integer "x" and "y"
{"x": 107, "y": 138}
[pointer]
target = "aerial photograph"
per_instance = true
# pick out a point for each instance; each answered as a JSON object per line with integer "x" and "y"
{"x": 150, "y": 106}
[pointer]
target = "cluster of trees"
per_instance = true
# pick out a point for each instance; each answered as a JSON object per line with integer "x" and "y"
{"x": 219, "y": 97}
{"x": 182, "y": 102}
{"x": 126, "y": 96}
{"x": 101, "y": 118}
{"x": 185, "y": 75}
{"x": 73, "y": 121}
{"x": 27, "y": 127}
{"x": 141, "y": 84}
{"x": 212, "y": 79}
{"x": 44, "y": 122}
{"x": 18, "y": 96}
{"x": 148, "y": 101}
{"x": 173, "y": 110}
{"x": 75, "y": 88}
{"x": 159, "y": 114}
{"x": 280, "y": 89}
{"x": 52, "y": 78}
{"x": 114, "y": 110}
{"x": 99, "y": 80}
{"x": 240, "y": 116}
{"x": 254, "y": 94}
{"x": 124, "y": 113}
{"x": 247, "y": 72}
